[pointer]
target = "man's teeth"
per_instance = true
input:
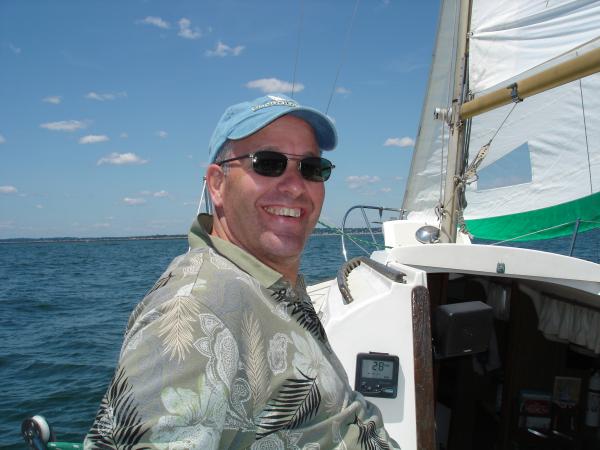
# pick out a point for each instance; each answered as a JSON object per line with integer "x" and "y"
{"x": 290, "y": 212}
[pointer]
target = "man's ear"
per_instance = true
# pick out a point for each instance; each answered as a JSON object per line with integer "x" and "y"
{"x": 215, "y": 180}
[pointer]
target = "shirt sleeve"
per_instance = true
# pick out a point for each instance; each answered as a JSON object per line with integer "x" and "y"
{"x": 173, "y": 382}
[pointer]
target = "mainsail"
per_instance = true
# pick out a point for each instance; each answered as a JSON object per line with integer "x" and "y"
{"x": 542, "y": 170}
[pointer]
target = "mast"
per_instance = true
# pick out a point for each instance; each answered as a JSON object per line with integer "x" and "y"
{"x": 456, "y": 149}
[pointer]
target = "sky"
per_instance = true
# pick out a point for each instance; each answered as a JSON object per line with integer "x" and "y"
{"x": 107, "y": 107}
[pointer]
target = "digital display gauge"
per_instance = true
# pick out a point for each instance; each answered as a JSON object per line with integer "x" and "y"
{"x": 377, "y": 374}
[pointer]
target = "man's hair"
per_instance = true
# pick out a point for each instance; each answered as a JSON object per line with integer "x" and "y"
{"x": 225, "y": 152}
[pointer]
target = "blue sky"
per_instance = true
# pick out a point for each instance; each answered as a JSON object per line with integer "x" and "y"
{"x": 107, "y": 107}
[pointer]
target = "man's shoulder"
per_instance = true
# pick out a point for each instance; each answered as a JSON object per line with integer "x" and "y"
{"x": 202, "y": 264}
{"x": 204, "y": 275}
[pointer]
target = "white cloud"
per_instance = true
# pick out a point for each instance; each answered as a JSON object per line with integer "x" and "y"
{"x": 8, "y": 190}
{"x": 64, "y": 125}
{"x": 186, "y": 32}
{"x": 155, "y": 21}
{"x": 54, "y": 99}
{"x": 120, "y": 159}
{"x": 342, "y": 90}
{"x": 2, "y": 139}
{"x": 123, "y": 135}
{"x": 162, "y": 134}
{"x": 386, "y": 189}
{"x": 161, "y": 194}
{"x": 103, "y": 97}
{"x": 399, "y": 142}
{"x": 223, "y": 50}
{"x": 93, "y": 139}
{"x": 358, "y": 181}
{"x": 132, "y": 201}
{"x": 273, "y": 85}
{"x": 16, "y": 50}
{"x": 39, "y": 206}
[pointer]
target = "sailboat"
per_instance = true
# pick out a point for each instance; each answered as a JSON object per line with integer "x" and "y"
{"x": 470, "y": 346}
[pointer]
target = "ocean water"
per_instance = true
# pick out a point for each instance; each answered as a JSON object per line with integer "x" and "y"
{"x": 64, "y": 307}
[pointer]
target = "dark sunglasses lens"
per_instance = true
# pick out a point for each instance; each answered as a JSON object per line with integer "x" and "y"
{"x": 269, "y": 164}
{"x": 316, "y": 169}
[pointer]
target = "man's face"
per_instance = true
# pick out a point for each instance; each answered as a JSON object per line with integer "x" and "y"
{"x": 271, "y": 217}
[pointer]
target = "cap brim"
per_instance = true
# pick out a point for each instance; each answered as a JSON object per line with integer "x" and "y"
{"x": 323, "y": 126}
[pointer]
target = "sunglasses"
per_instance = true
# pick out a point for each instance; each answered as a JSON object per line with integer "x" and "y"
{"x": 272, "y": 164}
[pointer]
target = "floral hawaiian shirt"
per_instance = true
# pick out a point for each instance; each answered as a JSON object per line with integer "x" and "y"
{"x": 224, "y": 353}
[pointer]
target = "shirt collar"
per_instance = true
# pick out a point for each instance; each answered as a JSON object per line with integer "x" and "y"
{"x": 199, "y": 237}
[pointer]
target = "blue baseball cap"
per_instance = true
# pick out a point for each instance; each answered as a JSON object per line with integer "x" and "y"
{"x": 246, "y": 118}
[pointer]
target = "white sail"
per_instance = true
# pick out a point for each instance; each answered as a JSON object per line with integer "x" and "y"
{"x": 427, "y": 168}
{"x": 547, "y": 152}
{"x": 511, "y": 37}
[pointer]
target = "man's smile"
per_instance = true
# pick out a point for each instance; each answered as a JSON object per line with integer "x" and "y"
{"x": 283, "y": 211}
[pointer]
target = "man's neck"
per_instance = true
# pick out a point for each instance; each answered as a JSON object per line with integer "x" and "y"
{"x": 289, "y": 272}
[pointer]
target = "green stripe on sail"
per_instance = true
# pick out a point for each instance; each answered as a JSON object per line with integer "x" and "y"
{"x": 556, "y": 220}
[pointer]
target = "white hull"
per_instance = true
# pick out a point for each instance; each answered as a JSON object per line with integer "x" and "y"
{"x": 382, "y": 316}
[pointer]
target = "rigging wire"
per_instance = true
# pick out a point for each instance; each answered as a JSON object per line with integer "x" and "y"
{"x": 343, "y": 55}
{"x": 354, "y": 239}
{"x": 300, "y": 21}
{"x": 587, "y": 146}
{"x": 533, "y": 232}
{"x": 502, "y": 124}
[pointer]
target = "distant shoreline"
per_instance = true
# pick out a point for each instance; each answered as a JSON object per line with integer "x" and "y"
{"x": 317, "y": 232}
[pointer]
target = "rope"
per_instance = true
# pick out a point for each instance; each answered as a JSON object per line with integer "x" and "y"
{"x": 343, "y": 55}
{"x": 470, "y": 175}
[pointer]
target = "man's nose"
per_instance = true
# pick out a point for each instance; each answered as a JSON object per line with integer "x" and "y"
{"x": 291, "y": 181}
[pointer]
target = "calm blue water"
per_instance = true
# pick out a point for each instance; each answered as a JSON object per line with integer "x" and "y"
{"x": 64, "y": 307}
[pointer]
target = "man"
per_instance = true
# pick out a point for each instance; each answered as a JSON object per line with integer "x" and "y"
{"x": 226, "y": 350}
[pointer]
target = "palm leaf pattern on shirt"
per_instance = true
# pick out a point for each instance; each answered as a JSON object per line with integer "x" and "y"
{"x": 297, "y": 401}
{"x": 368, "y": 437}
{"x": 255, "y": 362}
{"x": 118, "y": 423}
{"x": 305, "y": 315}
{"x": 176, "y": 325}
{"x": 162, "y": 282}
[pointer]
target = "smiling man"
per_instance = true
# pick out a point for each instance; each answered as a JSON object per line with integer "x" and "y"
{"x": 270, "y": 215}
{"x": 226, "y": 350}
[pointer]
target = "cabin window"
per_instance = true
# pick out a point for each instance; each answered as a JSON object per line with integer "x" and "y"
{"x": 513, "y": 168}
